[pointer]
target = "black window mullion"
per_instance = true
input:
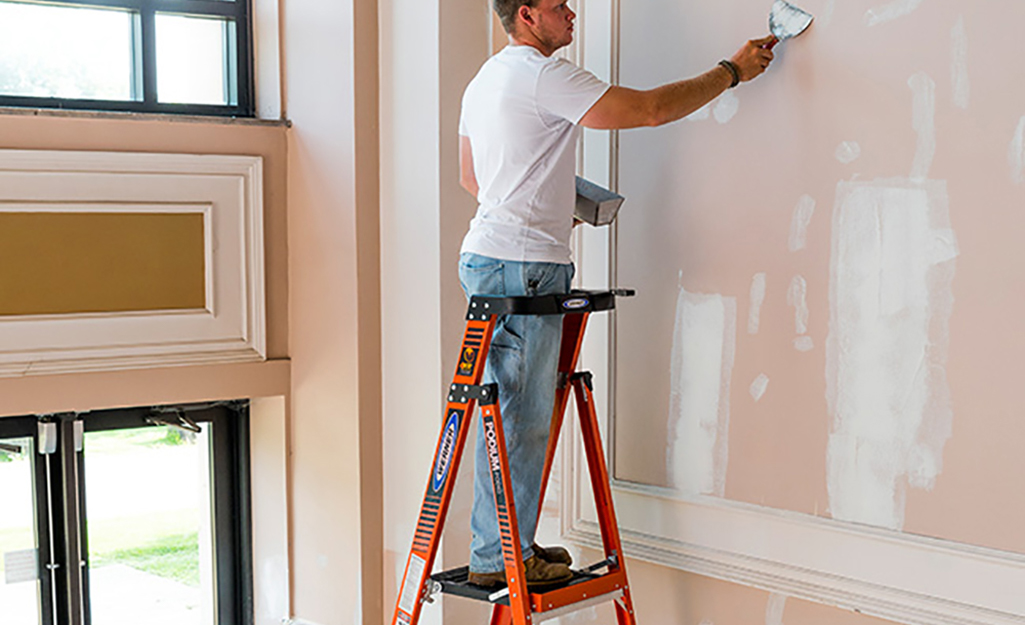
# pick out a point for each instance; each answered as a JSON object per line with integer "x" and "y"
{"x": 148, "y": 37}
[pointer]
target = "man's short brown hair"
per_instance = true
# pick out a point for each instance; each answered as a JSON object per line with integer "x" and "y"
{"x": 507, "y": 10}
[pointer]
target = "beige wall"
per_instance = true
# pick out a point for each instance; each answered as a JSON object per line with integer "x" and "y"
{"x": 330, "y": 86}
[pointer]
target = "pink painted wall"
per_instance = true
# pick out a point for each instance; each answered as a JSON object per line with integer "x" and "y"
{"x": 711, "y": 204}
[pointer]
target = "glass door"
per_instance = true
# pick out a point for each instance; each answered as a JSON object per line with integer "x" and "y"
{"x": 21, "y": 588}
{"x": 149, "y": 525}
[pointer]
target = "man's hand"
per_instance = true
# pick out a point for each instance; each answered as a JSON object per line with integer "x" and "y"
{"x": 752, "y": 59}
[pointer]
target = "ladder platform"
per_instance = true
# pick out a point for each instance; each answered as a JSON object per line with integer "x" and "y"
{"x": 582, "y": 586}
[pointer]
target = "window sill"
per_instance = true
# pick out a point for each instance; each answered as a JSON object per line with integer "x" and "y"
{"x": 150, "y": 117}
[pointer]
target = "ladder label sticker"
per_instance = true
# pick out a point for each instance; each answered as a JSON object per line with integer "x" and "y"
{"x": 445, "y": 449}
{"x": 491, "y": 440}
{"x": 576, "y": 303}
{"x": 467, "y": 361}
{"x": 411, "y": 588}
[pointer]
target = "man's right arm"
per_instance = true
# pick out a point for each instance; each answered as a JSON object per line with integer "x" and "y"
{"x": 622, "y": 108}
{"x": 467, "y": 177}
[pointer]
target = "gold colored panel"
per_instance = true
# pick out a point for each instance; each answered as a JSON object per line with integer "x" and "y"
{"x": 63, "y": 263}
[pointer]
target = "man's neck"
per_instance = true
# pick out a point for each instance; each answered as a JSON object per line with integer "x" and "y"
{"x": 530, "y": 40}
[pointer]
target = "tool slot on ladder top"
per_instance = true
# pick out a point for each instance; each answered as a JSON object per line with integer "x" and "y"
{"x": 577, "y": 301}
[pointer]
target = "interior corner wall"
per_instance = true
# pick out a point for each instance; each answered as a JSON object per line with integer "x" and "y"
{"x": 330, "y": 67}
{"x": 429, "y": 52}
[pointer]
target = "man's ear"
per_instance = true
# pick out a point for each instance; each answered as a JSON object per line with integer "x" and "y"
{"x": 524, "y": 14}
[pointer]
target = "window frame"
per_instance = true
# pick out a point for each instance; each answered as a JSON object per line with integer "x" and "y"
{"x": 145, "y": 59}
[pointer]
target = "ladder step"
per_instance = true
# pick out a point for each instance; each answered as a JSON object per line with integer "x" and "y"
{"x": 583, "y": 587}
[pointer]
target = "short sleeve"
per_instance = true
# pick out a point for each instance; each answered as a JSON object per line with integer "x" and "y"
{"x": 567, "y": 91}
{"x": 463, "y": 132}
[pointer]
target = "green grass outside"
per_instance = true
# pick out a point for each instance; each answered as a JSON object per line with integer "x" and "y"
{"x": 173, "y": 557}
{"x": 166, "y": 544}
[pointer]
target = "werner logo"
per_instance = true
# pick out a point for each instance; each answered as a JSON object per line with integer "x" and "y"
{"x": 491, "y": 436}
{"x": 576, "y": 303}
{"x": 448, "y": 442}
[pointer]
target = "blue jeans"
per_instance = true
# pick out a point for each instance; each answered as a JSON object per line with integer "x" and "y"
{"x": 523, "y": 361}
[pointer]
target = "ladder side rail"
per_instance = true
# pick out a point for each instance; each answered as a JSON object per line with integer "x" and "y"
{"x": 458, "y": 419}
{"x": 601, "y": 486}
{"x": 573, "y": 327}
{"x": 501, "y": 615}
{"x": 505, "y": 508}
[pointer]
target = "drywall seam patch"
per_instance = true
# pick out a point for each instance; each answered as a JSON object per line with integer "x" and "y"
{"x": 890, "y": 11}
{"x": 701, "y": 114}
{"x": 891, "y": 295}
{"x": 758, "y": 387}
{"x": 726, "y": 107}
{"x": 774, "y": 609}
{"x": 754, "y": 312}
{"x": 959, "y": 63}
{"x": 799, "y": 223}
{"x": 701, "y": 367}
{"x": 847, "y": 152}
{"x": 804, "y": 344}
{"x": 827, "y": 13}
{"x": 797, "y": 296}
{"x": 923, "y": 119}
{"x": 1016, "y": 154}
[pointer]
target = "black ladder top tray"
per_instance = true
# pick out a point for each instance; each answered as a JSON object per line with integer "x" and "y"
{"x": 576, "y": 301}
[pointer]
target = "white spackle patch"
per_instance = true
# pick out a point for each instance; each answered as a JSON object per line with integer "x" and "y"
{"x": 774, "y": 609}
{"x": 797, "y": 296}
{"x": 890, "y": 11}
{"x": 848, "y": 152}
{"x": 758, "y": 386}
{"x": 804, "y": 344}
{"x": 699, "y": 410}
{"x": 891, "y": 296}
{"x": 701, "y": 114}
{"x": 923, "y": 120}
{"x": 754, "y": 312}
{"x": 1016, "y": 155}
{"x": 726, "y": 107}
{"x": 959, "y": 63}
{"x": 827, "y": 13}
{"x": 799, "y": 223}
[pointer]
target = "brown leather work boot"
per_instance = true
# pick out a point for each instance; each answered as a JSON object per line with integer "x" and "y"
{"x": 553, "y": 555}
{"x": 539, "y": 575}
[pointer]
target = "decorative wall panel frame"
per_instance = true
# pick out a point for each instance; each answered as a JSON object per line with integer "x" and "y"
{"x": 892, "y": 575}
{"x": 227, "y": 190}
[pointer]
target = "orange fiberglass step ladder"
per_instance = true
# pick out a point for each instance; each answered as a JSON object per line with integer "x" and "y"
{"x": 598, "y": 583}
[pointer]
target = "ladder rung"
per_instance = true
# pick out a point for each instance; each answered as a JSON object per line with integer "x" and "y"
{"x": 579, "y": 605}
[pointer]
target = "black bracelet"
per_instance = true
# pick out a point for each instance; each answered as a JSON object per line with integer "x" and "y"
{"x": 731, "y": 67}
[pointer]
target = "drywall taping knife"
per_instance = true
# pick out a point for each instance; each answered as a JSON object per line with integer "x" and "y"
{"x": 786, "y": 21}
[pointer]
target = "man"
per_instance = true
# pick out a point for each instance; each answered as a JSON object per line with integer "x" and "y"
{"x": 518, "y": 131}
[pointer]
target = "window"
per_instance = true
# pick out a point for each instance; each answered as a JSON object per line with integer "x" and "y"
{"x": 159, "y": 56}
{"x": 121, "y": 517}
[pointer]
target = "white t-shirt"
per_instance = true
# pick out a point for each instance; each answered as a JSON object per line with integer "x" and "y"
{"x": 520, "y": 113}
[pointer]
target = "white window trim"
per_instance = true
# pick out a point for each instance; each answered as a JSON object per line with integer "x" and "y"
{"x": 228, "y": 190}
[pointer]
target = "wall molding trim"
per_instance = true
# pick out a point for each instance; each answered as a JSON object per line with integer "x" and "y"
{"x": 227, "y": 189}
{"x": 900, "y": 577}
